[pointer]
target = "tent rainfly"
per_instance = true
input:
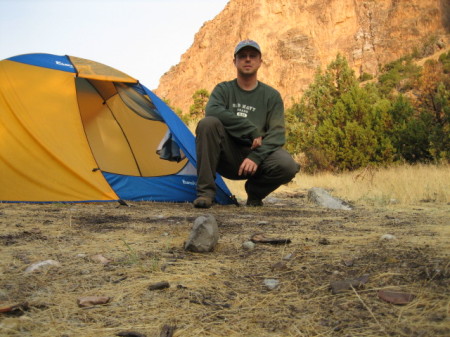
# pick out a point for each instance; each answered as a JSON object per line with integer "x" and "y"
{"x": 74, "y": 130}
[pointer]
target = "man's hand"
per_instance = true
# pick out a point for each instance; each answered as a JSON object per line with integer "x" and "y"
{"x": 257, "y": 142}
{"x": 248, "y": 167}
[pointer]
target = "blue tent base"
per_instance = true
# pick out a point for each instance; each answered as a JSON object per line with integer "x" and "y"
{"x": 174, "y": 188}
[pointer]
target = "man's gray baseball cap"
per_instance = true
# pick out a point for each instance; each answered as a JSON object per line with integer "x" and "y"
{"x": 246, "y": 43}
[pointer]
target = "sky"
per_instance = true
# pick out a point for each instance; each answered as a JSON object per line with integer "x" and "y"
{"x": 142, "y": 38}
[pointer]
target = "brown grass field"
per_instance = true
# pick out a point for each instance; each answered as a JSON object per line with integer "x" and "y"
{"x": 223, "y": 293}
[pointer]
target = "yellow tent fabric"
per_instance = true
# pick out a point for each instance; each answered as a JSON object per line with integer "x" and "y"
{"x": 118, "y": 137}
{"x": 37, "y": 126}
{"x": 98, "y": 71}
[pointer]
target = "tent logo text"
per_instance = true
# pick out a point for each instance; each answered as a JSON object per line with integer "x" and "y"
{"x": 63, "y": 64}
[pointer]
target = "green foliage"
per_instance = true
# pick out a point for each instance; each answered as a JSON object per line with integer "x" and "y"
{"x": 339, "y": 125}
{"x": 398, "y": 75}
{"x": 184, "y": 117}
{"x": 440, "y": 128}
{"x": 444, "y": 58}
{"x": 365, "y": 77}
{"x": 413, "y": 141}
{"x": 296, "y": 128}
{"x": 197, "y": 110}
{"x": 408, "y": 133}
{"x": 433, "y": 107}
{"x": 343, "y": 126}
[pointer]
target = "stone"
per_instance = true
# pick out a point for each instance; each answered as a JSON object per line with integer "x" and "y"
{"x": 167, "y": 330}
{"x": 395, "y": 297}
{"x": 89, "y": 301}
{"x": 99, "y": 258}
{"x": 159, "y": 285}
{"x": 248, "y": 245}
{"x": 273, "y": 200}
{"x": 280, "y": 265}
{"x": 261, "y": 238}
{"x": 321, "y": 197}
{"x": 204, "y": 235}
{"x": 324, "y": 241}
{"x": 263, "y": 223}
{"x": 387, "y": 237}
{"x": 130, "y": 334}
{"x": 271, "y": 283}
{"x": 341, "y": 286}
{"x": 42, "y": 264}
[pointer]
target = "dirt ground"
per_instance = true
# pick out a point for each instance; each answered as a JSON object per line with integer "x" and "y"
{"x": 223, "y": 293}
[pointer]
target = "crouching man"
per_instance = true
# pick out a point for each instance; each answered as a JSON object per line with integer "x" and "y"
{"x": 243, "y": 133}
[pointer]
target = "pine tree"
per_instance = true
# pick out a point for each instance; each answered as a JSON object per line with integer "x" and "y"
{"x": 343, "y": 124}
{"x": 197, "y": 110}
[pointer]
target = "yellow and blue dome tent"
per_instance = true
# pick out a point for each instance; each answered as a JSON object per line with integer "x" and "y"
{"x": 74, "y": 130}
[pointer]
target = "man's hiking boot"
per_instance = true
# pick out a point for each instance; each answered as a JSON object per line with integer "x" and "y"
{"x": 254, "y": 202}
{"x": 203, "y": 202}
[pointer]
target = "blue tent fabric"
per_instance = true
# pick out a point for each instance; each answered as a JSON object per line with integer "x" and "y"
{"x": 186, "y": 140}
{"x": 46, "y": 61}
{"x": 181, "y": 188}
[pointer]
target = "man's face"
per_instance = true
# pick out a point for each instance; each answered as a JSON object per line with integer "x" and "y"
{"x": 247, "y": 61}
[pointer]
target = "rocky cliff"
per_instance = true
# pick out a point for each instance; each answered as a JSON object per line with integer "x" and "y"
{"x": 297, "y": 36}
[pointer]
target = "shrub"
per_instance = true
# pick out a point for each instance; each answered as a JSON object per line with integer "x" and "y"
{"x": 365, "y": 77}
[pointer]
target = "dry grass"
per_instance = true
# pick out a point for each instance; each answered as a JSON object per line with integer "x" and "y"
{"x": 405, "y": 185}
{"x": 222, "y": 294}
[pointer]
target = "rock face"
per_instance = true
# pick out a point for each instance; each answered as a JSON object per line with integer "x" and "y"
{"x": 297, "y": 36}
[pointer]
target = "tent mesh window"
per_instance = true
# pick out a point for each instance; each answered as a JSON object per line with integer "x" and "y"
{"x": 124, "y": 129}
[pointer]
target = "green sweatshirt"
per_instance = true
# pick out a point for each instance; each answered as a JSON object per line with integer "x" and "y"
{"x": 247, "y": 115}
